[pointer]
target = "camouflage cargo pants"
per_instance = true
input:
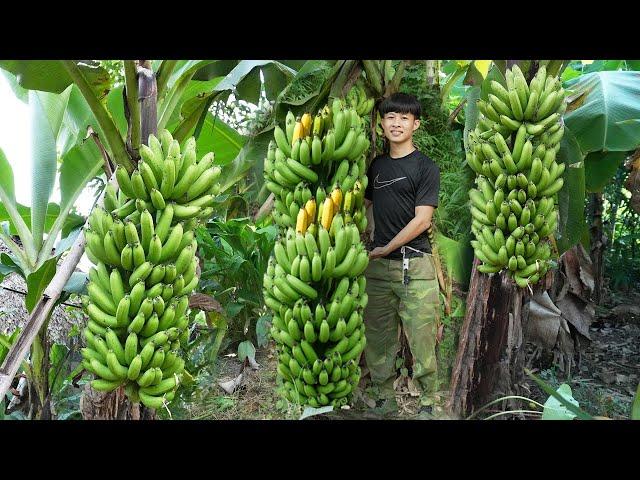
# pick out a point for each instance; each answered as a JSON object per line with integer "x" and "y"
{"x": 417, "y": 305}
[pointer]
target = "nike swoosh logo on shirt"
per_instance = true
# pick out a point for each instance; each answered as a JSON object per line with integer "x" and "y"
{"x": 377, "y": 184}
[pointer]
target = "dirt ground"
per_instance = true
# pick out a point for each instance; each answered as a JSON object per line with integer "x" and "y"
{"x": 604, "y": 383}
{"x": 607, "y": 376}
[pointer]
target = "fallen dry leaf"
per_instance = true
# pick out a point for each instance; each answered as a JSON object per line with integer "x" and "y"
{"x": 204, "y": 302}
{"x": 231, "y": 385}
{"x": 254, "y": 365}
{"x": 544, "y": 321}
{"x": 578, "y": 313}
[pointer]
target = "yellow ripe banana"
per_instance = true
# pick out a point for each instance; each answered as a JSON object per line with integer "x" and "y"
{"x": 301, "y": 221}
{"x": 307, "y": 121}
{"x": 336, "y": 197}
{"x": 310, "y": 207}
{"x": 298, "y": 131}
{"x": 327, "y": 213}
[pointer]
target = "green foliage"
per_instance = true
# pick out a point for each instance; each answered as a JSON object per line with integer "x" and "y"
{"x": 622, "y": 227}
{"x": 65, "y": 389}
{"x": 305, "y": 85}
{"x": 115, "y": 69}
{"x": 571, "y": 197}
{"x": 555, "y": 410}
{"x": 51, "y": 76}
{"x": 6, "y": 341}
{"x": 62, "y": 368}
{"x": 607, "y": 106}
{"x": 207, "y": 339}
{"x": 600, "y": 167}
{"x": 235, "y": 256}
{"x": 448, "y": 348}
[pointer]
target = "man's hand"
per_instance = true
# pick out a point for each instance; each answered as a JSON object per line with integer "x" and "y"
{"x": 378, "y": 252}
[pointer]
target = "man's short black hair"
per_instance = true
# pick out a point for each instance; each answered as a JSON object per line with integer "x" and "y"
{"x": 401, "y": 103}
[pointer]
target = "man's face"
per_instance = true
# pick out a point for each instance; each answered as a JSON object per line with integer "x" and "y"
{"x": 399, "y": 127}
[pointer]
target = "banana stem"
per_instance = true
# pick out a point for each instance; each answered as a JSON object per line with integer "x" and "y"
{"x": 148, "y": 97}
{"x": 373, "y": 76}
{"x": 452, "y": 81}
{"x": 113, "y": 138}
{"x": 394, "y": 84}
{"x": 164, "y": 72}
{"x": 341, "y": 79}
{"x": 556, "y": 67}
{"x": 457, "y": 111}
{"x": 326, "y": 87}
{"x": 133, "y": 106}
{"x": 171, "y": 101}
{"x": 17, "y": 251}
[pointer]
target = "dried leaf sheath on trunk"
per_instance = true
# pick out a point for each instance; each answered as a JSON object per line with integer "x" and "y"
{"x": 490, "y": 352}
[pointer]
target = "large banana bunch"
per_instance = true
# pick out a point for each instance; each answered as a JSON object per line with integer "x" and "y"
{"x": 314, "y": 284}
{"x": 143, "y": 246}
{"x": 513, "y": 152}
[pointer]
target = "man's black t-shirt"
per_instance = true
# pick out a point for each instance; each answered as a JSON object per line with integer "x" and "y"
{"x": 396, "y": 186}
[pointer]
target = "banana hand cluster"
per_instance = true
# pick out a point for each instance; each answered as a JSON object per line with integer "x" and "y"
{"x": 513, "y": 152}
{"x": 314, "y": 282}
{"x": 144, "y": 249}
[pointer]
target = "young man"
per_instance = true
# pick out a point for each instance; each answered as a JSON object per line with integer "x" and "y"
{"x": 401, "y": 281}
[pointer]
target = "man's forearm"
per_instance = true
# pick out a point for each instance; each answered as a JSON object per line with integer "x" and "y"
{"x": 414, "y": 228}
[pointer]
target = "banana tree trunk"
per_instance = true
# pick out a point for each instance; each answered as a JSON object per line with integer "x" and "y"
{"x": 490, "y": 357}
{"x": 432, "y": 71}
{"x": 114, "y": 405}
{"x": 491, "y": 351}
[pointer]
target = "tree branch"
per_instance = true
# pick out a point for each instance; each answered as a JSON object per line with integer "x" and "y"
{"x": 456, "y": 111}
{"x": 113, "y": 138}
{"x": 265, "y": 208}
{"x": 105, "y": 155}
{"x": 24, "y": 294}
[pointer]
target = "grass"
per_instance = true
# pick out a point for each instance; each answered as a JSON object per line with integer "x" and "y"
{"x": 256, "y": 399}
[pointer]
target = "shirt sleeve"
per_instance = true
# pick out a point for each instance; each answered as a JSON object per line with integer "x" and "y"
{"x": 429, "y": 187}
{"x": 368, "y": 193}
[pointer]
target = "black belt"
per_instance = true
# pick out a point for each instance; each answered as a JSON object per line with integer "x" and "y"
{"x": 409, "y": 252}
